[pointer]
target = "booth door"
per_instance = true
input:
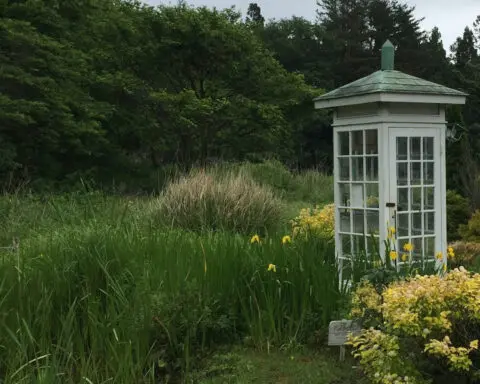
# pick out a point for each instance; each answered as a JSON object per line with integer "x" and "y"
{"x": 416, "y": 195}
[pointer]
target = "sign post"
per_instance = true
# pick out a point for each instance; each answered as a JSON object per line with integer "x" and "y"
{"x": 338, "y": 332}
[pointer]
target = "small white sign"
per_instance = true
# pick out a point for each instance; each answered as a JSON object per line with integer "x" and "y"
{"x": 339, "y": 330}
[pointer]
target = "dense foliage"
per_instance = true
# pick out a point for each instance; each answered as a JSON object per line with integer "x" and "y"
{"x": 423, "y": 330}
{"x": 115, "y": 90}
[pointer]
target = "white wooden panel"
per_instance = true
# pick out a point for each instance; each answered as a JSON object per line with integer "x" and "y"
{"x": 414, "y": 109}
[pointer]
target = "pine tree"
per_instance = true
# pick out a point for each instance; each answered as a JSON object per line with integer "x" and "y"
{"x": 463, "y": 50}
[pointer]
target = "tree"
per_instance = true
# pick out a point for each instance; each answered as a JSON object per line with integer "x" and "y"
{"x": 49, "y": 123}
{"x": 436, "y": 66}
{"x": 254, "y": 15}
{"x": 355, "y": 30}
{"x": 297, "y": 44}
{"x": 241, "y": 94}
{"x": 463, "y": 49}
{"x": 345, "y": 37}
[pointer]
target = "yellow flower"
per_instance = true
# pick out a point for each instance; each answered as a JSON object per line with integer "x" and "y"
{"x": 255, "y": 239}
{"x": 272, "y": 267}
{"x": 407, "y": 247}
{"x": 444, "y": 267}
{"x": 439, "y": 255}
{"x": 391, "y": 232}
{"x": 393, "y": 255}
{"x": 286, "y": 239}
{"x": 404, "y": 257}
{"x": 451, "y": 253}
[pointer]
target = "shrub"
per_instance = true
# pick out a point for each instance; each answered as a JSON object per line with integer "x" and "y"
{"x": 466, "y": 254}
{"x": 458, "y": 213}
{"x": 471, "y": 231}
{"x": 419, "y": 330}
{"x": 315, "y": 222}
{"x": 233, "y": 202}
{"x": 186, "y": 322}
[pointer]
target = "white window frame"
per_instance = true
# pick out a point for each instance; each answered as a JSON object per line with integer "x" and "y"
{"x": 438, "y": 135}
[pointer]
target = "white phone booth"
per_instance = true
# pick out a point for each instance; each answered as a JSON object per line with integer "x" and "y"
{"x": 389, "y": 162}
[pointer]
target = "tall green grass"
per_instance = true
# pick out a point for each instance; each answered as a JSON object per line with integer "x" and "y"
{"x": 95, "y": 294}
{"x": 310, "y": 186}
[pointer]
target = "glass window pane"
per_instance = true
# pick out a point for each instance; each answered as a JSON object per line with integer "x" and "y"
{"x": 415, "y": 148}
{"x": 357, "y": 168}
{"x": 402, "y": 173}
{"x": 415, "y": 173}
{"x": 402, "y": 196}
{"x": 403, "y": 225}
{"x": 357, "y": 196}
{"x": 417, "y": 252}
{"x": 428, "y": 148}
{"x": 357, "y": 143}
{"x": 402, "y": 148}
{"x": 358, "y": 244}
{"x": 429, "y": 219}
{"x": 346, "y": 268}
{"x": 343, "y": 143}
{"x": 416, "y": 199}
{"x": 372, "y": 168}
{"x": 402, "y": 244}
{"x": 371, "y": 142}
{"x": 373, "y": 222}
{"x": 416, "y": 224}
{"x": 344, "y": 192}
{"x": 428, "y": 177}
{"x": 372, "y": 245}
{"x": 345, "y": 220}
{"x": 429, "y": 198}
{"x": 430, "y": 247}
{"x": 372, "y": 195}
{"x": 358, "y": 221}
{"x": 346, "y": 242}
{"x": 344, "y": 165}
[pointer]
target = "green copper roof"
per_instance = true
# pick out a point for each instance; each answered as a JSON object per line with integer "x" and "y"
{"x": 387, "y": 80}
{"x": 390, "y": 82}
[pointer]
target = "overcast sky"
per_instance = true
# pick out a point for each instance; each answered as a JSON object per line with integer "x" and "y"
{"x": 451, "y": 16}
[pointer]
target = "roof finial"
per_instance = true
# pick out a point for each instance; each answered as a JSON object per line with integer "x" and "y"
{"x": 388, "y": 56}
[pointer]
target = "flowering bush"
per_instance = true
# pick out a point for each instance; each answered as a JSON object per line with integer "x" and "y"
{"x": 420, "y": 329}
{"x": 317, "y": 222}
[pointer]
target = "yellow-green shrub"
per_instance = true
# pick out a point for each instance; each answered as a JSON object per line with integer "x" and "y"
{"x": 315, "y": 222}
{"x": 420, "y": 324}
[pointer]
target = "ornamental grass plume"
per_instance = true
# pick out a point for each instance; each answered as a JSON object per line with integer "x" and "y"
{"x": 232, "y": 202}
